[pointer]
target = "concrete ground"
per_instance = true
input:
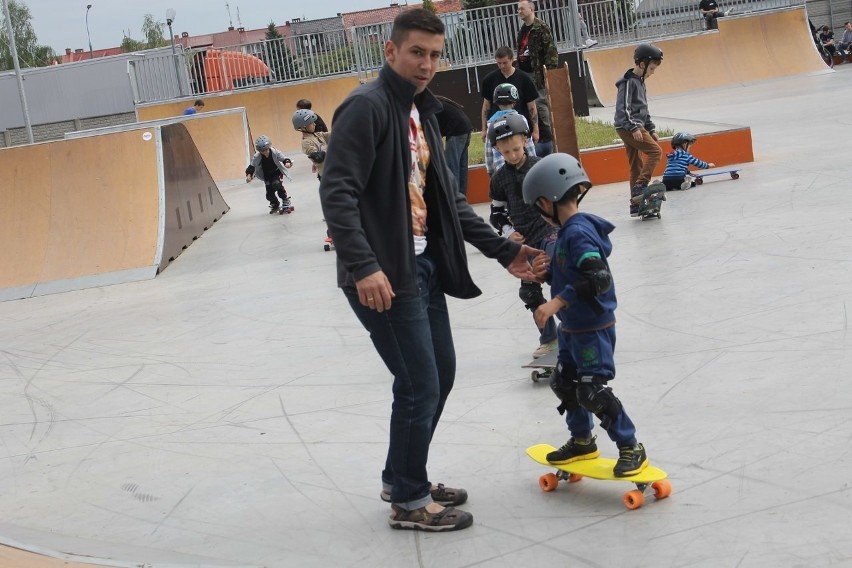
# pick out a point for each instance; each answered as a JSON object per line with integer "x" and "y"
{"x": 232, "y": 412}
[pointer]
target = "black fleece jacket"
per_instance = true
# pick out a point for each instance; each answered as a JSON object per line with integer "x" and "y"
{"x": 365, "y": 198}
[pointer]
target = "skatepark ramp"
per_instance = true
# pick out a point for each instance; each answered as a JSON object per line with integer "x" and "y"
{"x": 100, "y": 210}
{"x": 746, "y": 49}
{"x": 223, "y": 139}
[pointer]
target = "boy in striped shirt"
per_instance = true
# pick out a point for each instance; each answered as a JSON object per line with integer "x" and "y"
{"x": 677, "y": 175}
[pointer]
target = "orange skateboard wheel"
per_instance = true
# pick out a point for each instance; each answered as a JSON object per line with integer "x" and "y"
{"x": 634, "y": 499}
{"x": 574, "y": 477}
{"x": 548, "y": 482}
{"x": 662, "y": 488}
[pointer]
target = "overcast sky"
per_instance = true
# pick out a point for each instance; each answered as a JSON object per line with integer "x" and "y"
{"x": 62, "y": 23}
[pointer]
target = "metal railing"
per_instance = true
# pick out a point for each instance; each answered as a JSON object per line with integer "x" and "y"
{"x": 471, "y": 38}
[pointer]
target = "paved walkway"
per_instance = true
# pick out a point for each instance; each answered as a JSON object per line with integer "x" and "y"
{"x": 232, "y": 412}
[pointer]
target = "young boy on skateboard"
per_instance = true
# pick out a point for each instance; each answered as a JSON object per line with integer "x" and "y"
{"x": 270, "y": 166}
{"x": 677, "y": 163}
{"x": 314, "y": 143}
{"x": 515, "y": 219}
{"x": 584, "y": 299}
{"x": 633, "y": 122}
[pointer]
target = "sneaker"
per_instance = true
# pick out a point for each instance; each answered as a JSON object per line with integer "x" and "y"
{"x": 634, "y": 210}
{"x": 728, "y": 12}
{"x": 590, "y": 42}
{"x": 544, "y": 349}
{"x": 287, "y": 203}
{"x": 445, "y": 496}
{"x": 449, "y": 519}
{"x": 631, "y": 460}
{"x": 574, "y": 450}
{"x": 686, "y": 184}
{"x": 273, "y": 209}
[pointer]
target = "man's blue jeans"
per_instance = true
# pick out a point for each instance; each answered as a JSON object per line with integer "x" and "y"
{"x": 456, "y": 152}
{"x": 415, "y": 342}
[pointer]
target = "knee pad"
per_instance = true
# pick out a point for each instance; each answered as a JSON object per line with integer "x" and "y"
{"x": 563, "y": 383}
{"x": 531, "y": 295}
{"x": 597, "y": 398}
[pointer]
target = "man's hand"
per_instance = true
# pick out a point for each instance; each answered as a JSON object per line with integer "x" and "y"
{"x": 520, "y": 266}
{"x": 516, "y": 236}
{"x": 654, "y": 136}
{"x": 375, "y": 292}
{"x": 547, "y": 310}
{"x": 637, "y": 135}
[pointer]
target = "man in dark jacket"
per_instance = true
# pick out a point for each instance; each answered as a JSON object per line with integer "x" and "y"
{"x": 399, "y": 224}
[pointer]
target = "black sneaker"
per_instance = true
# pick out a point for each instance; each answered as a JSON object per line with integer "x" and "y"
{"x": 273, "y": 209}
{"x": 574, "y": 450}
{"x": 631, "y": 460}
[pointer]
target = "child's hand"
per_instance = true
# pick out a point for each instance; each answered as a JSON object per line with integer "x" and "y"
{"x": 540, "y": 265}
{"x": 547, "y": 310}
{"x": 249, "y": 177}
{"x": 637, "y": 135}
{"x": 711, "y": 165}
{"x": 516, "y": 236}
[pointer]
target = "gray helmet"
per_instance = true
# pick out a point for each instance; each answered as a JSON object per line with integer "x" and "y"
{"x": 303, "y": 117}
{"x": 647, "y": 52}
{"x": 507, "y": 125}
{"x": 505, "y": 94}
{"x": 682, "y": 138}
{"x": 263, "y": 142}
{"x": 552, "y": 177}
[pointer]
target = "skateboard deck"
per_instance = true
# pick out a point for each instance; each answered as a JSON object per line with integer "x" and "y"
{"x": 542, "y": 367}
{"x": 651, "y": 201}
{"x": 699, "y": 177}
{"x": 601, "y": 468}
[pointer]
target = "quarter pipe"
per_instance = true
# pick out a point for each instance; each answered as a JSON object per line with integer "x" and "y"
{"x": 746, "y": 49}
{"x": 101, "y": 210}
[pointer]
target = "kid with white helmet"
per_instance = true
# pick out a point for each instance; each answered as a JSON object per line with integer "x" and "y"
{"x": 270, "y": 166}
{"x": 677, "y": 175}
{"x": 584, "y": 300}
{"x": 514, "y": 218}
{"x": 505, "y": 97}
{"x": 314, "y": 143}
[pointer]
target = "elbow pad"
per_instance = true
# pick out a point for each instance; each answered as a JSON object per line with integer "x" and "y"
{"x": 499, "y": 217}
{"x": 596, "y": 279}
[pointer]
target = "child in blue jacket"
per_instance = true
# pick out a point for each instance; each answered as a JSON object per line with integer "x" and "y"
{"x": 584, "y": 300}
{"x": 676, "y": 175}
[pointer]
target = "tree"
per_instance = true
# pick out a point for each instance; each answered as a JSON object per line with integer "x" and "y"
{"x": 473, "y": 4}
{"x": 153, "y": 33}
{"x": 30, "y": 53}
{"x": 278, "y": 57}
{"x": 429, "y": 5}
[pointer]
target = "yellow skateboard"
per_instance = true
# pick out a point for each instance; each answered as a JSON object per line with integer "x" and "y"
{"x": 601, "y": 468}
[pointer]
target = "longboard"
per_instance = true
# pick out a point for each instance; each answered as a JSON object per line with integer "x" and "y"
{"x": 699, "y": 177}
{"x": 542, "y": 367}
{"x": 601, "y": 468}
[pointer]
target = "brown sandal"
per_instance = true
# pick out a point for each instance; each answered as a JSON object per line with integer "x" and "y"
{"x": 450, "y": 519}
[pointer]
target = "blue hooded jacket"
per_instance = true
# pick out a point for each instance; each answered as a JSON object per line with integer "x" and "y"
{"x": 581, "y": 237}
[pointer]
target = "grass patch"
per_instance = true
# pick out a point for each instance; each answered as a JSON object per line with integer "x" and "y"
{"x": 590, "y": 133}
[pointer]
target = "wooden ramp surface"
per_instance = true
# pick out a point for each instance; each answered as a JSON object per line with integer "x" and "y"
{"x": 101, "y": 210}
{"x": 746, "y": 49}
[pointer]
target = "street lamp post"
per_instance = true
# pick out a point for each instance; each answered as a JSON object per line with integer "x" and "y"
{"x": 170, "y": 17}
{"x": 88, "y": 7}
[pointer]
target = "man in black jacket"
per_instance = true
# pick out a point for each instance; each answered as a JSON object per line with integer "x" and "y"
{"x": 399, "y": 224}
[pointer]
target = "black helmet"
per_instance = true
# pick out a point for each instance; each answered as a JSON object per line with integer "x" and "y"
{"x": 682, "y": 138}
{"x": 505, "y": 94}
{"x": 647, "y": 52}
{"x": 507, "y": 125}
{"x": 552, "y": 177}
